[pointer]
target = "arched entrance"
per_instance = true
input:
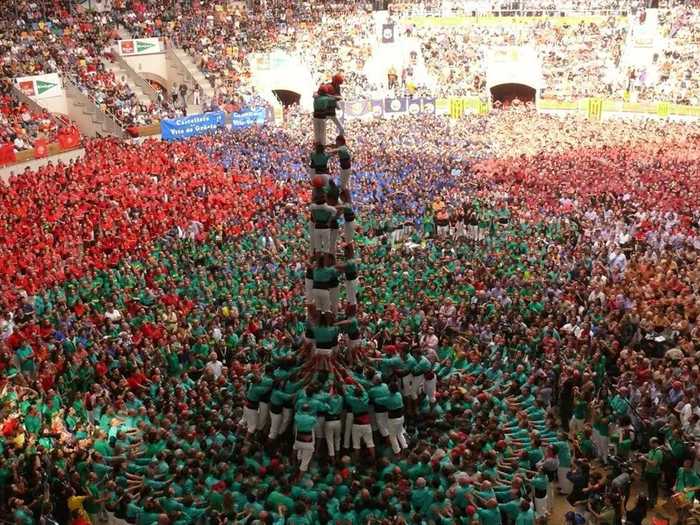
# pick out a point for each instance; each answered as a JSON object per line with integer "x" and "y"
{"x": 287, "y": 97}
{"x": 506, "y": 93}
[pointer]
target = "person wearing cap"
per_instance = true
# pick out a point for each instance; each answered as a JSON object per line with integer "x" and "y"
{"x": 357, "y": 399}
{"x": 304, "y": 438}
{"x": 393, "y": 403}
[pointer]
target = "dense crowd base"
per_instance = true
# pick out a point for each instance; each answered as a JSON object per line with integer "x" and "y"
{"x": 535, "y": 317}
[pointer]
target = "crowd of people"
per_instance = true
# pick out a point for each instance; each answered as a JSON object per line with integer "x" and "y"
{"x": 524, "y": 312}
{"x": 19, "y": 125}
{"x": 578, "y": 58}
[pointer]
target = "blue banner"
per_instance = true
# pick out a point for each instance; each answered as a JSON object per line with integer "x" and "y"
{"x": 247, "y": 117}
{"x": 377, "y": 108}
{"x": 192, "y": 125}
{"x": 427, "y": 105}
{"x": 395, "y": 105}
{"x": 414, "y": 106}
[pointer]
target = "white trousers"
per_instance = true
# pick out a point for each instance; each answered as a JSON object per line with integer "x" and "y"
{"x": 345, "y": 178}
{"x": 396, "y": 435}
{"x": 333, "y": 240}
{"x": 286, "y": 420}
{"x": 417, "y": 383}
{"x": 309, "y": 290}
{"x": 322, "y": 299}
{"x": 541, "y": 506}
{"x": 349, "y": 418}
{"x": 564, "y": 484}
{"x": 263, "y": 415}
{"x": 250, "y": 417}
{"x": 338, "y": 126}
{"x": 320, "y": 131}
{"x": 321, "y": 239}
{"x": 576, "y": 425}
{"x": 333, "y": 298}
{"x": 325, "y": 352}
{"x": 349, "y": 231}
{"x": 318, "y": 429}
{"x": 360, "y": 434}
{"x": 431, "y": 388}
{"x": 275, "y": 424}
{"x": 305, "y": 451}
{"x": 351, "y": 291}
{"x": 382, "y": 419}
{"x": 406, "y": 384}
{"x": 333, "y": 431}
{"x": 602, "y": 445}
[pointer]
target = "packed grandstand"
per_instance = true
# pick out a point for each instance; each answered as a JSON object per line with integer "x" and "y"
{"x": 283, "y": 262}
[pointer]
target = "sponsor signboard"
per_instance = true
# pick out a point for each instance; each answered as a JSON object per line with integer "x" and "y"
{"x": 41, "y": 86}
{"x": 141, "y": 46}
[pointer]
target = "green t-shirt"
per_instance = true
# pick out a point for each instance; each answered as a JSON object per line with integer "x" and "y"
{"x": 657, "y": 456}
{"x": 490, "y": 516}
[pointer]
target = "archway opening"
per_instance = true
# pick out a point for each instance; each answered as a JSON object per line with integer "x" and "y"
{"x": 507, "y": 93}
{"x": 287, "y": 97}
{"x": 157, "y": 85}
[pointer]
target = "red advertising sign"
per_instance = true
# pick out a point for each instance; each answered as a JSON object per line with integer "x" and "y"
{"x": 127, "y": 47}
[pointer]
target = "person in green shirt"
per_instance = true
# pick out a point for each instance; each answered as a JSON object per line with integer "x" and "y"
{"x": 652, "y": 470}
{"x": 526, "y": 514}
{"x": 687, "y": 480}
{"x": 393, "y": 403}
{"x": 324, "y": 107}
{"x": 490, "y": 514}
{"x": 304, "y": 441}
{"x": 322, "y": 214}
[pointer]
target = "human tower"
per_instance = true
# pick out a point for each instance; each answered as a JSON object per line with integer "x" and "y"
{"x": 331, "y": 206}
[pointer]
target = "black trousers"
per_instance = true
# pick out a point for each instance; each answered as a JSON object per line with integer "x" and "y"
{"x": 652, "y": 480}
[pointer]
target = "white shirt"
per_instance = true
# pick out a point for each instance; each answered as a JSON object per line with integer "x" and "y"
{"x": 214, "y": 368}
{"x": 113, "y": 315}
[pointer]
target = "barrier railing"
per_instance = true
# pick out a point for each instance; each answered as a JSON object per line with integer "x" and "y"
{"x": 132, "y": 75}
{"x": 113, "y": 125}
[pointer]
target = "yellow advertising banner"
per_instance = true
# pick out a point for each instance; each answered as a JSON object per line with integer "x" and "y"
{"x": 595, "y": 108}
{"x": 663, "y": 109}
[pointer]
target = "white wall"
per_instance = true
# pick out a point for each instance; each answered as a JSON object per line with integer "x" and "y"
{"x": 55, "y": 104}
{"x": 154, "y": 64}
{"x": 513, "y": 65}
{"x": 288, "y": 74}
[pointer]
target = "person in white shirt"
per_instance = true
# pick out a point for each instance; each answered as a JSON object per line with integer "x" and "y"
{"x": 214, "y": 366}
{"x": 112, "y": 314}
